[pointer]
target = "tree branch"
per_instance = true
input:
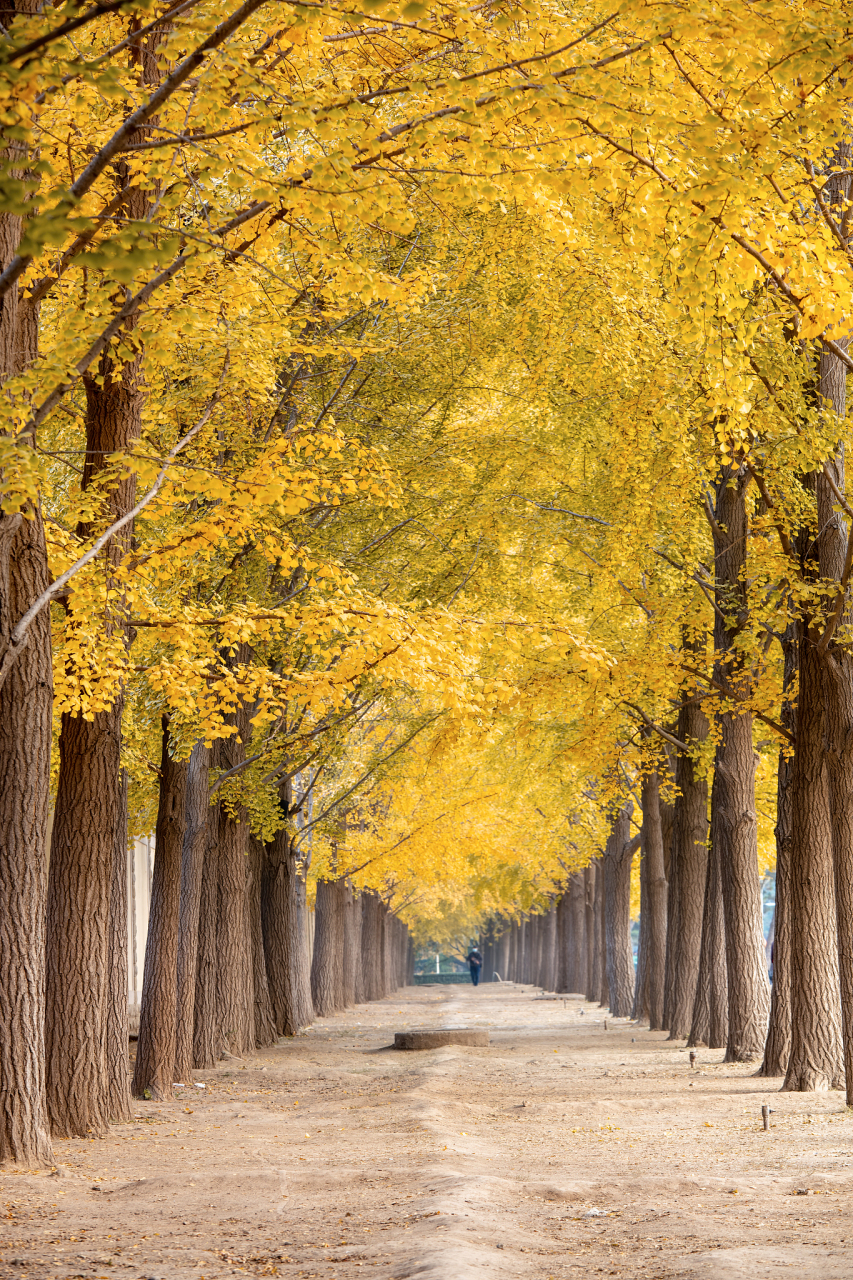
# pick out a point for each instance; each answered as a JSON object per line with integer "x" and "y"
{"x": 99, "y": 162}
{"x": 366, "y": 775}
{"x": 650, "y": 724}
{"x": 18, "y": 638}
{"x": 73, "y": 24}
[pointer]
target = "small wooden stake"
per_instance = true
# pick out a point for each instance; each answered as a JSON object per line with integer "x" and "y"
{"x": 765, "y": 1115}
{"x": 692, "y": 1058}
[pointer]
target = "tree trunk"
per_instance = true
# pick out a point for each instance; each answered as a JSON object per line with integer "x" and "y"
{"x": 328, "y": 959}
{"x": 839, "y": 703}
{"x": 667, "y": 822}
{"x": 402, "y": 936}
{"x": 656, "y": 881}
{"x": 688, "y": 874}
{"x": 618, "y": 855}
{"x": 710, "y": 1022}
{"x": 589, "y": 876}
{"x": 535, "y": 948}
{"x": 749, "y": 993}
{"x": 235, "y": 987}
{"x": 392, "y": 951}
{"x": 25, "y": 744}
{"x": 512, "y": 966}
{"x": 87, "y": 815}
{"x": 777, "y": 1050}
{"x": 264, "y": 1019}
{"x": 285, "y": 936}
{"x": 640, "y": 1008}
{"x": 154, "y": 1071}
{"x": 89, "y": 800}
{"x": 816, "y": 1057}
{"x": 502, "y": 964}
{"x": 360, "y": 990}
{"x": 386, "y": 972}
{"x": 523, "y": 947}
{"x": 117, "y": 1026}
{"x": 402, "y": 951}
{"x": 208, "y": 1040}
{"x": 488, "y": 956}
{"x": 563, "y": 931}
{"x": 352, "y": 946}
{"x": 26, "y": 695}
{"x": 577, "y": 917}
{"x": 600, "y": 987}
{"x": 193, "y": 846}
{"x": 549, "y": 967}
{"x": 834, "y": 548}
{"x": 542, "y": 979}
{"x": 816, "y": 1052}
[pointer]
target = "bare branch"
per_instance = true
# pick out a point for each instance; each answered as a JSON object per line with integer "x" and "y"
{"x": 650, "y": 724}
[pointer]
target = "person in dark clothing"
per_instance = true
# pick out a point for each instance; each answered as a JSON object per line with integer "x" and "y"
{"x": 475, "y": 964}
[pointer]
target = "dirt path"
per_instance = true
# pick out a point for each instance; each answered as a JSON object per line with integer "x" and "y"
{"x": 563, "y": 1150}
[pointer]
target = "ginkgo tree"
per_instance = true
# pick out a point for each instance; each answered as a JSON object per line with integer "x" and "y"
{"x": 212, "y": 225}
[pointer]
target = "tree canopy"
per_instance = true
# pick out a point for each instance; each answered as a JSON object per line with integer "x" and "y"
{"x": 441, "y": 325}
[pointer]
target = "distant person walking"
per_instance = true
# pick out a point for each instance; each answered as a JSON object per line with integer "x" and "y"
{"x": 475, "y": 964}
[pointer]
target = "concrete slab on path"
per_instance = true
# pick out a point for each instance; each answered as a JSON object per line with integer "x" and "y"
{"x": 437, "y": 1039}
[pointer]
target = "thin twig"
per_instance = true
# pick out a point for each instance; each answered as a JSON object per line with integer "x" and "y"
{"x": 366, "y": 775}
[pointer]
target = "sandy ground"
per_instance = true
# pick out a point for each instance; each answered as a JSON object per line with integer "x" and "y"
{"x": 563, "y": 1150}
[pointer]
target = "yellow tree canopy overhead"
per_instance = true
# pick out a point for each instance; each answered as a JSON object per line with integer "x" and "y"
{"x": 447, "y": 316}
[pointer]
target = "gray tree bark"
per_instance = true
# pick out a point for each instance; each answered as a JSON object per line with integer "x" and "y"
{"x": 371, "y": 945}
{"x": 563, "y": 937}
{"x": 819, "y": 804}
{"x": 208, "y": 1039}
{"x": 119, "y": 1104}
{"x": 266, "y": 1032}
{"x": 777, "y": 1050}
{"x": 710, "y": 1023}
{"x": 590, "y": 875}
{"x": 577, "y": 933}
{"x": 193, "y": 848}
{"x": 601, "y": 990}
{"x": 353, "y": 984}
{"x": 640, "y": 1008}
{"x": 154, "y": 1069}
{"x": 549, "y": 965}
{"x": 656, "y": 889}
{"x": 26, "y": 697}
{"x": 737, "y": 828}
{"x": 285, "y": 937}
{"x": 235, "y": 987}
{"x": 617, "y": 859}
{"x": 688, "y": 873}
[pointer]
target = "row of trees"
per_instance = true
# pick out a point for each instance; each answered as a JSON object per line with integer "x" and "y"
{"x": 583, "y": 944}
{"x": 411, "y": 470}
{"x": 227, "y": 963}
{"x": 690, "y": 972}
